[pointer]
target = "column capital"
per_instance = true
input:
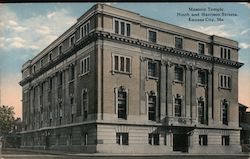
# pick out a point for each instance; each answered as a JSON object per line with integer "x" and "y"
{"x": 169, "y": 63}
{"x": 210, "y": 70}
{"x": 163, "y": 63}
{"x": 142, "y": 59}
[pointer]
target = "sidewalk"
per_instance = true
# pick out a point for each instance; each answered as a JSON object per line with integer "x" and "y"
{"x": 52, "y": 152}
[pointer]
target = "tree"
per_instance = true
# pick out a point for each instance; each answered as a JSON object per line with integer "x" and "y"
{"x": 6, "y": 119}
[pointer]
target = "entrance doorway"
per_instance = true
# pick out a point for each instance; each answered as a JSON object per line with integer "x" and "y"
{"x": 180, "y": 142}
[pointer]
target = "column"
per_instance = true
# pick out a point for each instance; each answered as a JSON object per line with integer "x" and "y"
{"x": 170, "y": 74}
{"x": 163, "y": 92}
{"x": 193, "y": 93}
{"x": 187, "y": 91}
{"x": 142, "y": 86}
{"x": 210, "y": 96}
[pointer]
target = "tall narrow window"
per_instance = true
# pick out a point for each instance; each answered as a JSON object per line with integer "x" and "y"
{"x": 122, "y": 27}
{"x": 122, "y": 104}
{"x": 153, "y": 139}
{"x": 152, "y": 107}
{"x": 116, "y": 26}
{"x": 221, "y": 52}
{"x": 122, "y": 138}
{"x": 224, "y": 112}
{"x": 201, "y": 48}
{"x": 225, "y": 81}
{"x": 85, "y": 104}
{"x": 225, "y": 140}
{"x": 84, "y": 138}
{"x": 128, "y": 29}
{"x": 85, "y": 65}
{"x": 121, "y": 64}
{"x": 152, "y": 69}
{"x": 71, "y": 40}
{"x": 202, "y": 76}
{"x": 60, "y": 49}
{"x": 201, "y": 112}
{"x": 72, "y": 72}
{"x": 178, "y": 73}
{"x": 84, "y": 29}
{"x": 178, "y": 43}
{"x": 228, "y": 54}
{"x": 178, "y": 106}
{"x": 203, "y": 140}
{"x": 60, "y": 79}
{"x": 152, "y": 36}
{"x": 50, "y": 56}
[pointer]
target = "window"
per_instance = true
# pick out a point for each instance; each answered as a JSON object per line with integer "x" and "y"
{"x": 178, "y": 43}
{"x": 152, "y": 106}
{"x": 153, "y": 139}
{"x": 60, "y": 79}
{"x": 201, "y": 112}
{"x": 151, "y": 36}
{"x": 50, "y": 83}
{"x": 224, "y": 111}
{"x": 121, "y": 64}
{"x": 85, "y": 65}
{"x": 84, "y": 138}
{"x": 72, "y": 73}
{"x": 70, "y": 139}
{"x": 201, "y": 48}
{"x": 225, "y": 140}
{"x": 202, "y": 77}
{"x": 225, "y": 53}
{"x": 178, "y": 106}
{"x": 84, "y": 29}
{"x": 203, "y": 140}
{"x": 34, "y": 68}
{"x": 50, "y": 56}
{"x": 72, "y": 40}
{"x": 122, "y": 104}
{"x": 122, "y": 27}
{"x": 60, "y": 49}
{"x": 225, "y": 81}
{"x": 152, "y": 69}
{"x": 41, "y": 63}
{"x": 178, "y": 73}
{"x": 85, "y": 103}
{"x": 122, "y": 138}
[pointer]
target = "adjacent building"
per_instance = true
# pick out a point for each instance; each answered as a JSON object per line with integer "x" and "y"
{"x": 119, "y": 82}
{"x": 244, "y": 121}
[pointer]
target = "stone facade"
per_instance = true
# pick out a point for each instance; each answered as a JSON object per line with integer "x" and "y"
{"x": 118, "y": 82}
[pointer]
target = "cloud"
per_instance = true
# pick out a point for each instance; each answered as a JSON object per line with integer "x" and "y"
{"x": 218, "y": 30}
{"x": 245, "y": 31}
{"x": 244, "y": 45}
{"x": 43, "y": 30}
{"x": 36, "y": 31}
{"x": 51, "y": 14}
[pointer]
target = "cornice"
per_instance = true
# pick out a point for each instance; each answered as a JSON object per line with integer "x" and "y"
{"x": 93, "y": 36}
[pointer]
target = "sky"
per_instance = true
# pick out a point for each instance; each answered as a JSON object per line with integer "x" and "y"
{"x": 27, "y": 28}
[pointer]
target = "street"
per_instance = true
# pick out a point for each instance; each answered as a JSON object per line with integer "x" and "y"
{"x": 13, "y": 154}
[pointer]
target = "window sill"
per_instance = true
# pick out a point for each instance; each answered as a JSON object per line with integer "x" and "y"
{"x": 177, "y": 81}
{"x": 201, "y": 85}
{"x": 71, "y": 81}
{"x": 84, "y": 74}
{"x": 223, "y": 88}
{"x": 120, "y": 72}
{"x": 153, "y": 78}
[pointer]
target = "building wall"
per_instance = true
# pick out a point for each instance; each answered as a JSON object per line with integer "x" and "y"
{"x": 42, "y": 112}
